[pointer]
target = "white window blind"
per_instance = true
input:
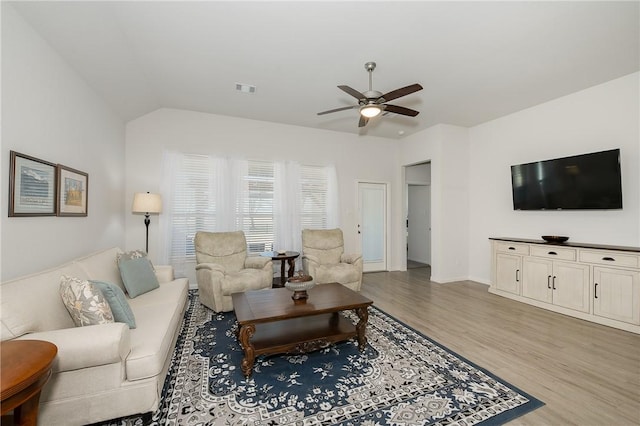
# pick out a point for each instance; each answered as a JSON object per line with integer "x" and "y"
{"x": 217, "y": 194}
{"x": 255, "y": 206}
{"x": 193, "y": 205}
{"x": 313, "y": 197}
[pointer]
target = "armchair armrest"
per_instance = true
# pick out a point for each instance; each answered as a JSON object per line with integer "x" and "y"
{"x": 350, "y": 258}
{"x": 311, "y": 258}
{"x": 89, "y": 346}
{"x": 213, "y": 267}
{"x": 256, "y": 262}
{"x": 164, "y": 273}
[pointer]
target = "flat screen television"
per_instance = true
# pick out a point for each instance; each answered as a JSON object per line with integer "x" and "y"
{"x": 588, "y": 181}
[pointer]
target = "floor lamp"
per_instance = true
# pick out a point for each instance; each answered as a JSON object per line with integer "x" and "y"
{"x": 148, "y": 204}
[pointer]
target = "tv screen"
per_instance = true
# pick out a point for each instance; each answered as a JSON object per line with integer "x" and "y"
{"x": 587, "y": 181}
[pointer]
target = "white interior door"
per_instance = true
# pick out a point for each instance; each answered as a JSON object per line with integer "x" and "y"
{"x": 372, "y": 227}
{"x": 419, "y": 224}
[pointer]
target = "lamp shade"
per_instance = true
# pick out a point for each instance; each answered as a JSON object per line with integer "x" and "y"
{"x": 143, "y": 202}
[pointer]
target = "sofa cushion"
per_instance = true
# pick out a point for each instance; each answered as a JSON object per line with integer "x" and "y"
{"x": 138, "y": 275}
{"x": 102, "y": 266}
{"x": 117, "y": 302}
{"x": 159, "y": 314}
{"x": 85, "y": 303}
{"x": 32, "y": 303}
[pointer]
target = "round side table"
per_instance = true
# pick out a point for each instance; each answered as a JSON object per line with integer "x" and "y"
{"x": 288, "y": 257}
{"x": 25, "y": 367}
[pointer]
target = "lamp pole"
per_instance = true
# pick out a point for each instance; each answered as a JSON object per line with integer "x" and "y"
{"x": 147, "y": 221}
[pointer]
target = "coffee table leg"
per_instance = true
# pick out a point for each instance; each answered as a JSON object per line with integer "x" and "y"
{"x": 246, "y": 332}
{"x": 361, "y": 327}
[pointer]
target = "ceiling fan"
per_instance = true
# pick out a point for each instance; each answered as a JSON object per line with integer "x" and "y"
{"x": 372, "y": 103}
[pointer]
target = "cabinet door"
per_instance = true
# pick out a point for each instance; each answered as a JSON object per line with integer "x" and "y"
{"x": 508, "y": 272}
{"x": 570, "y": 284}
{"x": 536, "y": 279}
{"x": 616, "y": 294}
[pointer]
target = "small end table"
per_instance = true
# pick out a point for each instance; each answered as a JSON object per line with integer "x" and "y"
{"x": 25, "y": 367}
{"x": 288, "y": 257}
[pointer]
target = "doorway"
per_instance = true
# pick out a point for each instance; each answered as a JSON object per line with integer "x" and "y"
{"x": 419, "y": 226}
{"x": 372, "y": 225}
{"x": 418, "y": 214}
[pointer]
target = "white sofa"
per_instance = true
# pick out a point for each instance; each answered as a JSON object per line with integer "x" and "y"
{"x": 103, "y": 371}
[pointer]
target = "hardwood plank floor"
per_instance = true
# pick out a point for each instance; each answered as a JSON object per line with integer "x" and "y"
{"x": 587, "y": 374}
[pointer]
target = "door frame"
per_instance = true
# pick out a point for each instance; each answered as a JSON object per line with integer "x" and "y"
{"x": 386, "y": 221}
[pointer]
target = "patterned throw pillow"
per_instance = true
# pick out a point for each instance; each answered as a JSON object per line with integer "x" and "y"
{"x": 85, "y": 303}
{"x": 129, "y": 255}
{"x": 117, "y": 302}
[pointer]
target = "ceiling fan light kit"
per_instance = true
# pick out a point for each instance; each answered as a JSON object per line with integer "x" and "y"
{"x": 370, "y": 111}
{"x": 372, "y": 103}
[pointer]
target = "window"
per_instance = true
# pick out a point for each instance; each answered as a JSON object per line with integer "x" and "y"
{"x": 218, "y": 194}
{"x": 313, "y": 197}
{"x": 254, "y": 209}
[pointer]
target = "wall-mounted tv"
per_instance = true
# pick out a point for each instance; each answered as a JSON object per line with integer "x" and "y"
{"x": 587, "y": 181}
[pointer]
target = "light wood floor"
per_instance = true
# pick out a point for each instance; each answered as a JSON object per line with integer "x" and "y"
{"x": 586, "y": 374}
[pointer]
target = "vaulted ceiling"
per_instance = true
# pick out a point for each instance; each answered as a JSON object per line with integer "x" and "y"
{"x": 476, "y": 60}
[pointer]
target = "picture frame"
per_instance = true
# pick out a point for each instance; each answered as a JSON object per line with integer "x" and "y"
{"x": 32, "y": 186}
{"x": 73, "y": 191}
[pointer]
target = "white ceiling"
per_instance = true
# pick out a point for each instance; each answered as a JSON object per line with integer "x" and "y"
{"x": 476, "y": 60}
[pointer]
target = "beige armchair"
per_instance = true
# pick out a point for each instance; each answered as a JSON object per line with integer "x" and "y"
{"x": 223, "y": 268}
{"x": 323, "y": 258}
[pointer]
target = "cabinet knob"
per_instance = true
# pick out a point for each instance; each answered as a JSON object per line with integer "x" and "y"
{"x": 610, "y": 259}
{"x": 553, "y": 253}
{"x": 512, "y": 248}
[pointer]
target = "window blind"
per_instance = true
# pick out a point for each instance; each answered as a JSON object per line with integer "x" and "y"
{"x": 216, "y": 194}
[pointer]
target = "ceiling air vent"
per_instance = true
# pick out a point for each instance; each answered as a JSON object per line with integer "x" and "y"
{"x": 245, "y": 88}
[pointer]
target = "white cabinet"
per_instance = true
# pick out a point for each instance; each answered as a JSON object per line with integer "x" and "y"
{"x": 508, "y": 266}
{"x": 560, "y": 283}
{"x": 598, "y": 285}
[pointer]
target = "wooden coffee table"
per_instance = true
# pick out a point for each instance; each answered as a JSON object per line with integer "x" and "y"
{"x": 271, "y": 323}
{"x": 25, "y": 368}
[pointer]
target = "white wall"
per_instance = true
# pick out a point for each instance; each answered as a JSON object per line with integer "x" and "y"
{"x": 419, "y": 174}
{"x": 446, "y": 147}
{"x": 50, "y": 113}
{"x": 596, "y": 119}
{"x": 355, "y": 157}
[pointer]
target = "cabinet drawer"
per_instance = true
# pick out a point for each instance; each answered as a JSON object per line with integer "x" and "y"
{"x": 513, "y": 248}
{"x": 610, "y": 258}
{"x": 553, "y": 252}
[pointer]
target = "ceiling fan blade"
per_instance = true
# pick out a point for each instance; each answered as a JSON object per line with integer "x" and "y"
{"x": 337, "y": 109}
{"x": 352, "y": 92}
{"x": 398, "y": 93}
{"x": 401, "y": 110}
{"x": 363, "y": 121}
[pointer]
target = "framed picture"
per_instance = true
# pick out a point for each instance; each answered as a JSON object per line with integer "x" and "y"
{"x": 73, "y": 189}
{"x": 32, "y": 186}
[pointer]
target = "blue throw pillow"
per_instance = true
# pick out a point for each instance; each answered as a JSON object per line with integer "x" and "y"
{"x": 117, "y": 301}
{"x": 138, "y": 276}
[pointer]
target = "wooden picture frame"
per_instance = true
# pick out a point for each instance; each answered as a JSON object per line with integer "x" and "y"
{"x": 32, "y": 186}
{"x": 73, "y": 192}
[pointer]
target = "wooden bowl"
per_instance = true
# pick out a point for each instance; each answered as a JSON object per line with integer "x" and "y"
{"x": 554, "y": 238}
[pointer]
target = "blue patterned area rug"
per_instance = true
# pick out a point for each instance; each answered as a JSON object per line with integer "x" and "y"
{"x": 402, "y": 378}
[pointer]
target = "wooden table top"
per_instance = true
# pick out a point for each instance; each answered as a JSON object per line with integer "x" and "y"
{"x": 22, "y": 363}
{"x": 275, "y": 304}
{"x": 274, "y": 255}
